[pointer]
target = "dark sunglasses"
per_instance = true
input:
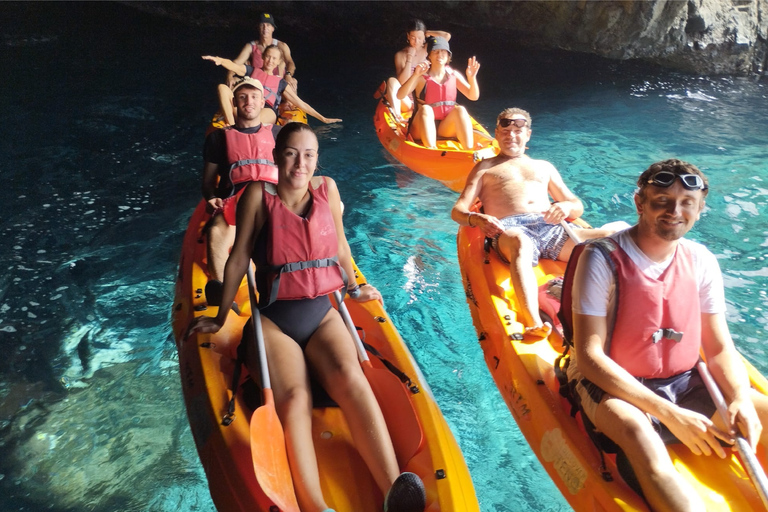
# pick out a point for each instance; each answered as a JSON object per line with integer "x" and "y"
{"x": 520, "y": 123}
{"x": 666, "y": 179}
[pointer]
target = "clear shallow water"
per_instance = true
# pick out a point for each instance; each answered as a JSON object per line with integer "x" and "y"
{"x": 103, "y": 161}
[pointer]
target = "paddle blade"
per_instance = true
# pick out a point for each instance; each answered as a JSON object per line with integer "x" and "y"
{"x": 394, "y": 400}
{"x": 270, "y": 460}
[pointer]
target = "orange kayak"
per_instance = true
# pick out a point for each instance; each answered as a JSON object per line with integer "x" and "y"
{"x": 448, "y": 164}
{"x": 424, "y": 443}
{"x": 524, "y": 373}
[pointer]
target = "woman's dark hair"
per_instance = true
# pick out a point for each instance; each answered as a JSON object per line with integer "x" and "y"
{"x": 416, "y": 24}
{"x": 286, "y": 131}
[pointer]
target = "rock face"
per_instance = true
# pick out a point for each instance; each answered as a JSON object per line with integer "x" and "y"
{"x": 696, "y": 36}
{"x": 701, "y": 36}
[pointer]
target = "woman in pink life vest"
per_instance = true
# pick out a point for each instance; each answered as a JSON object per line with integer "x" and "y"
{"x": 276, "y": 89}
{"x": 437, "y": 114}
{"x": 299, "y": 220}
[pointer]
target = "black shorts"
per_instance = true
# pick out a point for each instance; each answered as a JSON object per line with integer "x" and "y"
{"x": 686, "y": 390}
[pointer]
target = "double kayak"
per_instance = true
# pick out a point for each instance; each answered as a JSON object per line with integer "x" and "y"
{"x": 524, "y": 371}
{"x": 423, "y": 441}
{"x": 448, "y": 163}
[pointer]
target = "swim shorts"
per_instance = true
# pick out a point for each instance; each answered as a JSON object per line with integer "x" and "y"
{"x": 686, "y": 390}
{"x": 548, "y": 239}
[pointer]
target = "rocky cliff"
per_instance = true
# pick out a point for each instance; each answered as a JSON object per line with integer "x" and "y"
{"x": 700, "y": 36}
{"x": 696, "y": 36}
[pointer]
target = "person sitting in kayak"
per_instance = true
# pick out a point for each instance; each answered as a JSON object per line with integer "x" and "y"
{"x": 517, "y": 212}
{"x": 233, "y": 157}
{"x": 252, "y": 52}
{"x": 299, "y": 219}
{"x": 637, "y": 380}
{"x": 275, "y": 88}
{"x": 436, "y": 113}
{"x": 406, "y": 61}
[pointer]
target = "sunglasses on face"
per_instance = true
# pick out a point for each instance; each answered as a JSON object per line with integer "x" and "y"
{"x": 666, "y": 179}
{"x": 520, "y": 123}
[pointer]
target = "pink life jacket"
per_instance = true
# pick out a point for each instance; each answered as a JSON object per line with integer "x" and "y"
{"x": 657, "y": 330}
{"x": 250, "y": 155}
{"x": 257, "y": 61}
{"x": 271, "y": 85}
{"x": 300, "y": 254}
{"x": 441, "y": 97}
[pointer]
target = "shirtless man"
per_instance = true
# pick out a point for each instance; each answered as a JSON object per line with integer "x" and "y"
{"x": 517, "y": 212}
{"x": 406, "y": 61}
{"x": 252, "y": 51}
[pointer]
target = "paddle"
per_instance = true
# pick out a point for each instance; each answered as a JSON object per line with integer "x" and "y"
{"x": 753, "y": 467}
{"x": 402, "y": 423}
{"x": 270, "y": 461}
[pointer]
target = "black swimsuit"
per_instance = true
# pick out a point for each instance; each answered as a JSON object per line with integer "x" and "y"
{"x": 298, "y": 319}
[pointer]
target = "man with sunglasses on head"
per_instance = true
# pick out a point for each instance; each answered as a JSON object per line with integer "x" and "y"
{"x": 518, "y": 214}
{"x": 645, "y": 302}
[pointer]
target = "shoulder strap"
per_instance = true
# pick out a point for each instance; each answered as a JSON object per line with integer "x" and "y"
{"x": 606, "y": 246}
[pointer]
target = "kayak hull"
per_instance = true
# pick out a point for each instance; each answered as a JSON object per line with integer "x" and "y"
{"x": 206, "y": 365}
{"x": 524, "y": 373}
{"x": 448, "y": 164}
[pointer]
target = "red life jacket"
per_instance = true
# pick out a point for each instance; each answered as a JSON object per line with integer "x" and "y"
{"x": 298, "y": 258}
{"x": 271, "y": 85}
{"x": 250, "y": 155}
{"x": 441, "y": 97}
{"x": 257, "y": 61}
{"x": 657, "y": 330}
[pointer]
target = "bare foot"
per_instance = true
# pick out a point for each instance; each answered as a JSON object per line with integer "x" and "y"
{"x": 538, "y": 331}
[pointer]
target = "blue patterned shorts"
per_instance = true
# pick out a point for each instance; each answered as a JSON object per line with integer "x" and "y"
{"x": 548, "y": 239}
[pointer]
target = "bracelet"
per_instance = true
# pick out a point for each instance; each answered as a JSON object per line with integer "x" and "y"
{"x": 354, "y": 292}
{"x": 469, "y": 218}
{"x": 287, "y": 73}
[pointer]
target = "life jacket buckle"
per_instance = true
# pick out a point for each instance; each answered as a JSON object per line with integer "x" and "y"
{"x": 669, "y": 334}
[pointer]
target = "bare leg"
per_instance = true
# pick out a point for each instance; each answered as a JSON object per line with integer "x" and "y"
{"x": 458, "y": 124}
{"x": 220, "y": 237}
{"x": 267, "y": 116}
{"x": 518, "y": 249}
{"x": 585, "y": 234}
{"x": 332, "y": 353}
{"x": 393, "y": 85}
{"x": 225, "y": 102}
{"x": 423, "y": 126}
{"x": 664, "y": 488}
{"x": 293, "y": 401}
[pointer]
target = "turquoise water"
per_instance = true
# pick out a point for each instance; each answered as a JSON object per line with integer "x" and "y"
{"x": 103, "y": 162}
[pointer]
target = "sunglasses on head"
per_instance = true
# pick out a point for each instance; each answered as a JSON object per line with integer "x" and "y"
{"x": 520, "y": 123}
{"x": 666, "y": 179}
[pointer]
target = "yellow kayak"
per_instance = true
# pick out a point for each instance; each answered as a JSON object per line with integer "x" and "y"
{"x": 524, "y": 373}
{"x": 423, "y": 441}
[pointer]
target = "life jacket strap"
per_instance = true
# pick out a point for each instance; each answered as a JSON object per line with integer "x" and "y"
{"x": 250, "y": 161}
{"x": 297, "y": 266}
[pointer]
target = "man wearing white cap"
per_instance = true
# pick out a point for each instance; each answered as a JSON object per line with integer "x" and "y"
{"x": 233, "y": 157}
